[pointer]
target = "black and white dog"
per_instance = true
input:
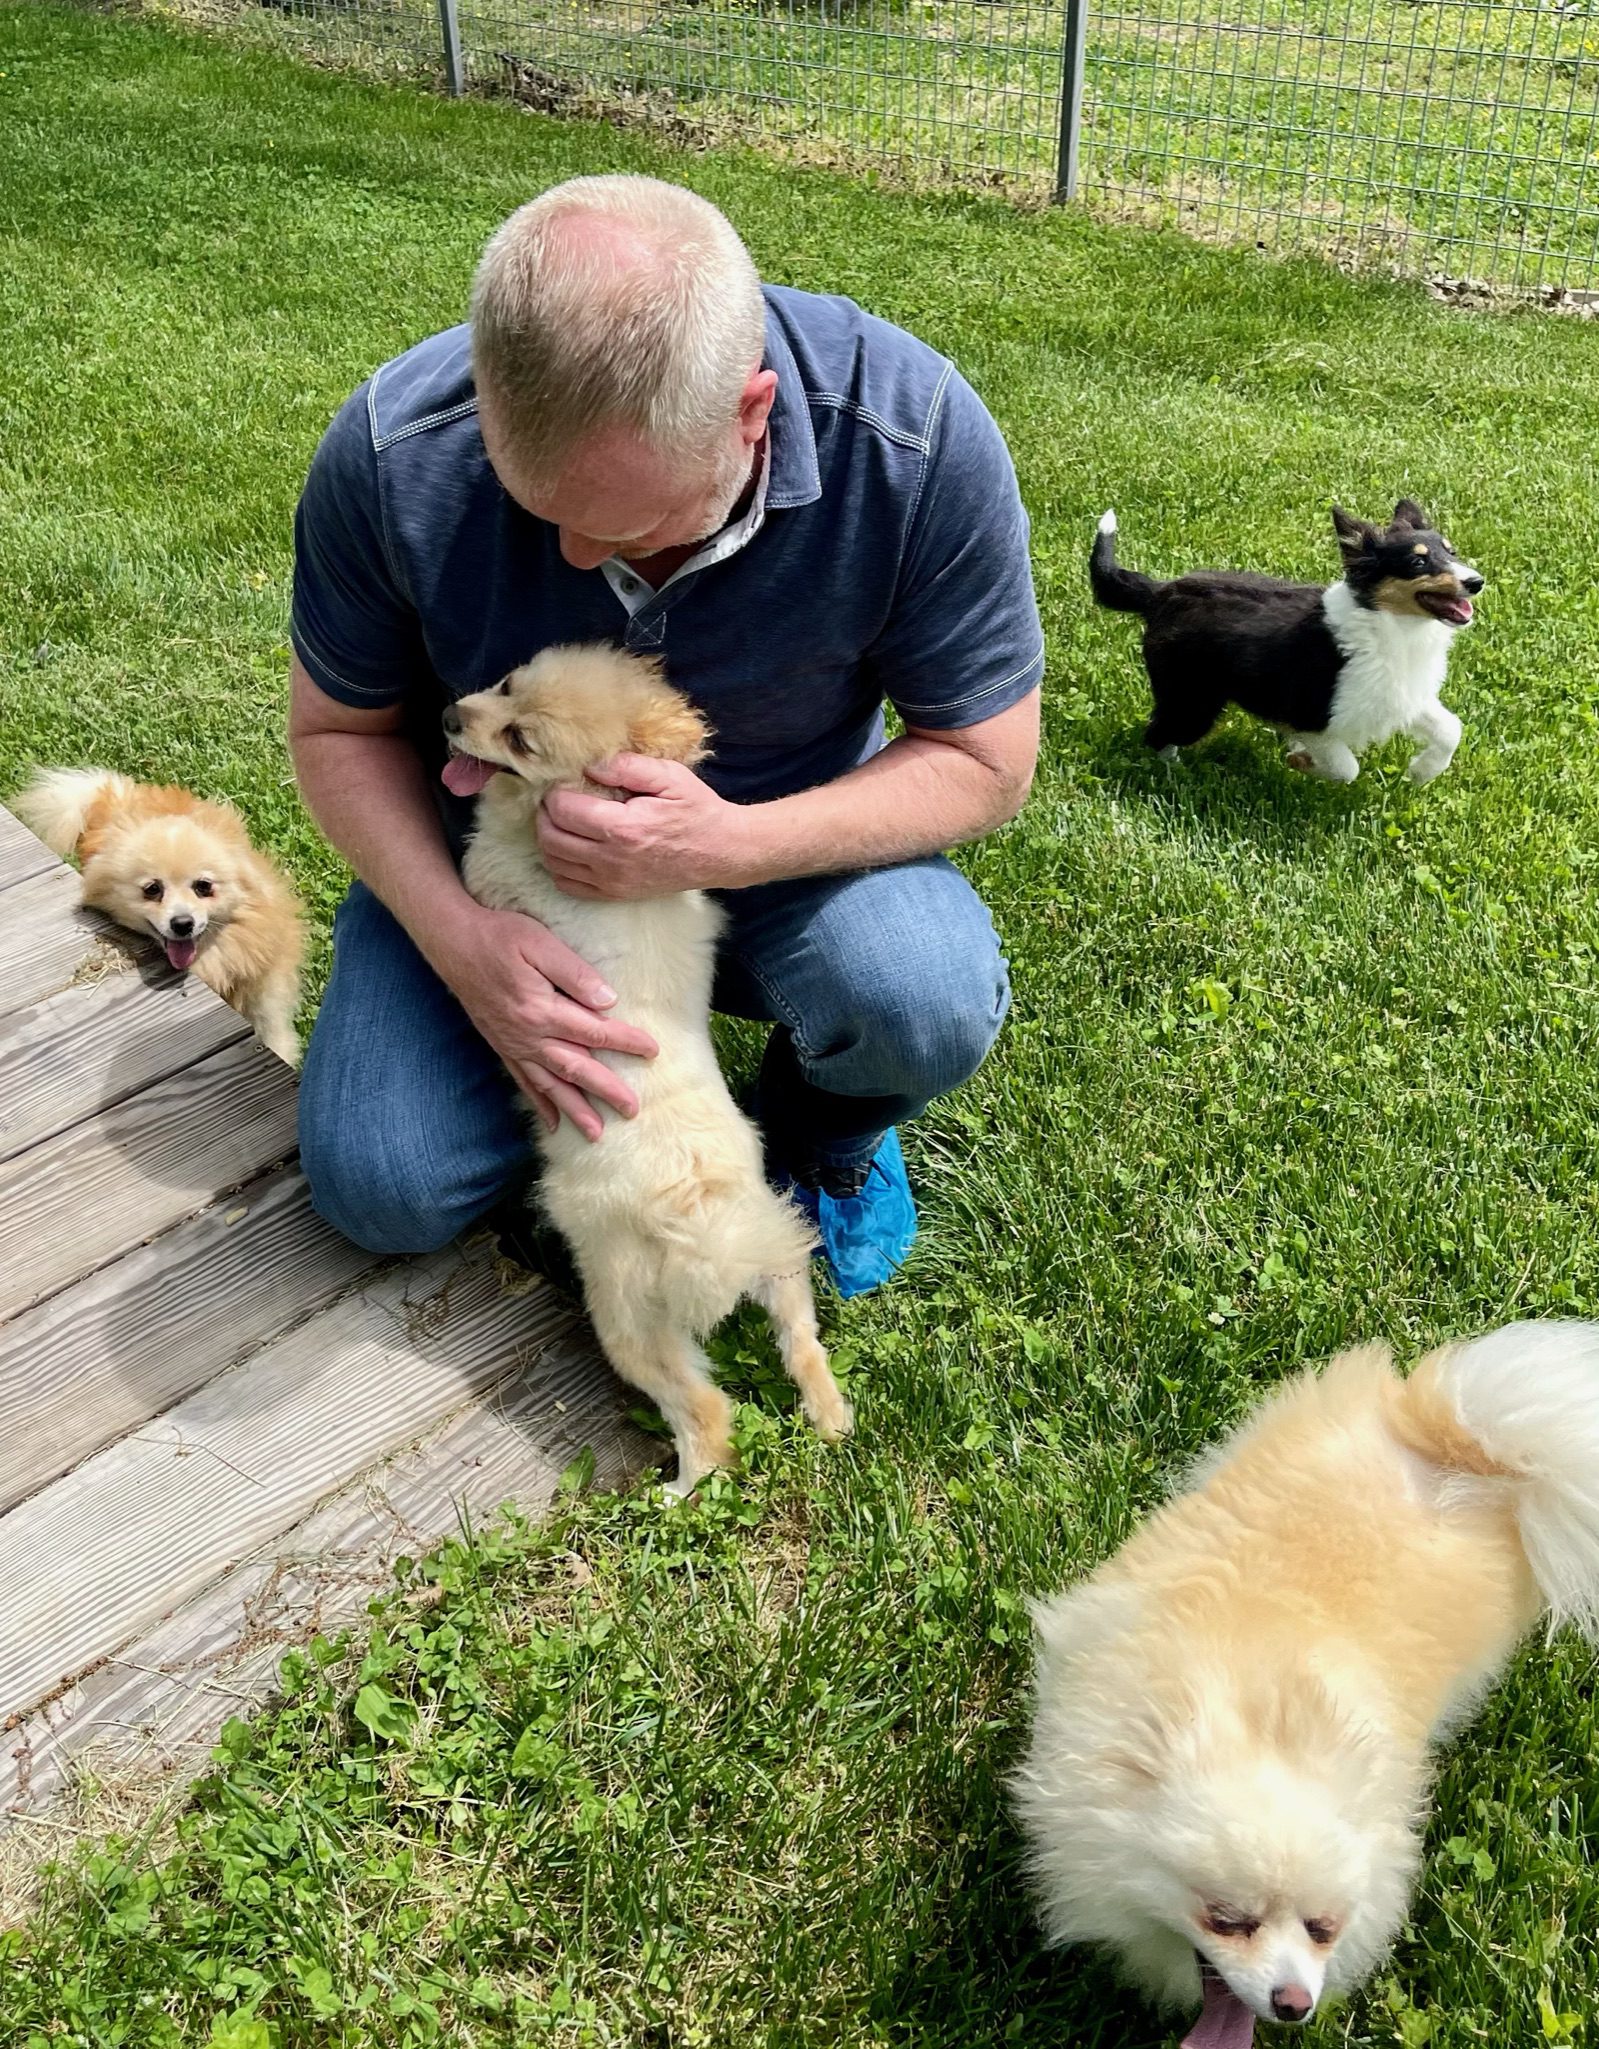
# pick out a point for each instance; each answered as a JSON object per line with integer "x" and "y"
{"x": 1337, "y": 670}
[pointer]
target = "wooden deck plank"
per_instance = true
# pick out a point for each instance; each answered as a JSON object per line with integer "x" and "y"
{"x": 99, "y": 1554}
{"x": 90, "y": 1047}
{"x": 102, "y": 1355}
{"x": 50, "y": 940}
{"x": 145, "y": 1720}
{"x": 76, "y": 1201}
{"x": 21, "y": 855}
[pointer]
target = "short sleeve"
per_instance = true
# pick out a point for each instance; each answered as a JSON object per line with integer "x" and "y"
{"x": 963, "y": 641}
{"x": 351, "y": 624}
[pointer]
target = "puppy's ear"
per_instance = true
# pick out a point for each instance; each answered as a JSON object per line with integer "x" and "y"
{"x": 1145, "y": 1748}
{"x": 1408, "y": 513}
{"x": 1355, "y": 536}
{"x": 1129, "y": 1762}
{"x": 668, "y": 727}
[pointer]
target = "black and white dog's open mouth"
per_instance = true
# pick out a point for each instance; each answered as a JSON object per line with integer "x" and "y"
{"x": 1453, "y": 611}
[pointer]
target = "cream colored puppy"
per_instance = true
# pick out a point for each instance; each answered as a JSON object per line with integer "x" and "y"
{"x": 182, "y": 870}
{"x": 1231, "y": 1748}
{"x": 669, "y": 1215}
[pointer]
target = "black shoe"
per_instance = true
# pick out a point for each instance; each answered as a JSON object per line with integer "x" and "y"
{"x": 529, "y": 1239}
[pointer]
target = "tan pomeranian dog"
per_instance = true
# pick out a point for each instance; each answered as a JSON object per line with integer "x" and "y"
{"x": 669, "y": 1215}
{"x": 1230, "y": 1750}
{"x": 163, "y": 862}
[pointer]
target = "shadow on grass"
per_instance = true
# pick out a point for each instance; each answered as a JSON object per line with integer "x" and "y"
{"x": 1235, "y": 785}
{"x": 989, "y": 1976}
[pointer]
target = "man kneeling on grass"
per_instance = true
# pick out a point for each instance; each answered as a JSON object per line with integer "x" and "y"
{"x": 807, "y": 513}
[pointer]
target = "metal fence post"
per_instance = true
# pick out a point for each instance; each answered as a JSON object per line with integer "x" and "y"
{"x": 450, "y": 28}
{"x": 1071, "y": 99}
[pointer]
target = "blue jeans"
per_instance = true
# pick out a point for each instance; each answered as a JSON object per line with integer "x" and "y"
{"x": 886, "y": 989}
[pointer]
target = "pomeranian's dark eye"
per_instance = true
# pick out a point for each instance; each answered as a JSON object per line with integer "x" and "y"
{"x": 1218, "y": 1922}
{"x": 504, "y": 686}
{"x": 203, "y": 888}
{"x": 153, "y": 892}
{"x": 1321, "y": 1932}
{"x": 512, "y": 736}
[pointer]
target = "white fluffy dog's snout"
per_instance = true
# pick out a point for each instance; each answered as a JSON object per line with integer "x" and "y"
{"x": 1292, "y": 2003}
{"x": 1283, "y": 1983}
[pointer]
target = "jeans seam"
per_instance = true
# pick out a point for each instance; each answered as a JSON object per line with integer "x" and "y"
{"x": 787, "y": 1016}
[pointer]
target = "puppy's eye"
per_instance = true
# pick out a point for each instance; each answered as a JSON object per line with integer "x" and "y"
{"x": 1218, "y": 1922}
{"x": 512, "y": 736}
{"x": 153, "y": 892}
{"x": 503, "y": 687}
{"x": 1323, "y": 1932}
{"x": 202, "y": 887}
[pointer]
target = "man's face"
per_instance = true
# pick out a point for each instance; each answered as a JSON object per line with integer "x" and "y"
{"x": 619, "y": 496}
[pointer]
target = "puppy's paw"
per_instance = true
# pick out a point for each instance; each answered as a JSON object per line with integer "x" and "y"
{"x": 1336, "y": 766}
{"x": 696, "y": 1463}
{"x": 1427, "y": 765}
{"x": 830, "y": 1414}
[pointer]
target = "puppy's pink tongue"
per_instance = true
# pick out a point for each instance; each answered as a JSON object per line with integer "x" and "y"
{"x": 1224, "y": 2023}
{"x": 465, "y": 775}
{"x": 181, "y": 953}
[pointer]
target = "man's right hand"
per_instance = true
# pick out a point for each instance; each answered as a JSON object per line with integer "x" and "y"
{"x": 542, "y": 1009}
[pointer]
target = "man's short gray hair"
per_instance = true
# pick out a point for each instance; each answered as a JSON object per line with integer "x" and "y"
{"x": 614, "y": 301}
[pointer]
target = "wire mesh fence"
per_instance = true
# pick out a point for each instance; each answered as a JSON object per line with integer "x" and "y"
{"x": 1419, "y": 136}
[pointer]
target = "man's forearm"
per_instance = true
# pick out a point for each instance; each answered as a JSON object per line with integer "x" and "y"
{"x": 916, "y": 797}
{"x": 369, "y": 794}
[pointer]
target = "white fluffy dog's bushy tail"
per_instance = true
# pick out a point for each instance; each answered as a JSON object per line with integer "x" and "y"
{"x": 1522, "y": 1405}
{"x": 57, "y": 803}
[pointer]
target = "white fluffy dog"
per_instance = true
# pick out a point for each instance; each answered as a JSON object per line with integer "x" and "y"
{"x": 1229, "y": 1757}
{"x": 669, "y": 1215}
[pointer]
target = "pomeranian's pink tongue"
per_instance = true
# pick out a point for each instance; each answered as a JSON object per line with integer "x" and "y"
{"x": 181, "y": 953}
{"x": 465, "y": 775}
{"x": 1224, "y": 2023}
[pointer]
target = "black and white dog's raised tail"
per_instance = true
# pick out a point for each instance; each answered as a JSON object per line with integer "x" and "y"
{"x": 1338, "y": 670}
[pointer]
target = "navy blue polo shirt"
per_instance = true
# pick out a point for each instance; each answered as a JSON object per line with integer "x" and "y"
{"x": 884, "y": 559}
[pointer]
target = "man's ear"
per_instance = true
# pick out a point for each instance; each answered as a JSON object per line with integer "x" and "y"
{"x": 667, "y": 727}
{"x": 755, "y": 406}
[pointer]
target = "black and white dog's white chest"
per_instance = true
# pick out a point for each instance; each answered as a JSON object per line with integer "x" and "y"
{"x": 1391, "y": 673}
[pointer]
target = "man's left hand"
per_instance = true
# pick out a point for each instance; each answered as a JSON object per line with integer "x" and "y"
{"x": 671, "y": 833}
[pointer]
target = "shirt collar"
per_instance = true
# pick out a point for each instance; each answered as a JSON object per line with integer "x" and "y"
{"x": 637, "y": 595}
{"x": 795, "y": 478}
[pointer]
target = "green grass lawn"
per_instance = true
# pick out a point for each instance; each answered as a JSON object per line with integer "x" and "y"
{"x": 1289, "y": 1066}
{"x": 1395, "y": 134}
